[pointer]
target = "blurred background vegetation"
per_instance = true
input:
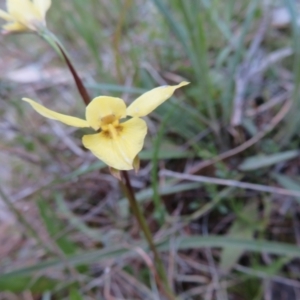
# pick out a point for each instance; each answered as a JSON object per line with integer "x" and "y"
{"x": 66, "y": 231}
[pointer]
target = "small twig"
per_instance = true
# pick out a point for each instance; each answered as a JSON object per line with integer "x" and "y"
{"x": 233, "y": 183}
{"x": 271, "y": 59}
{"x": 30, "y": 190}
{"x": 107, "y": 282}
{"x": 278, "y": 99}
{"x": 215, "y": 284}
{"x": 21, "y": 154}
{"x": 242, "y": 79}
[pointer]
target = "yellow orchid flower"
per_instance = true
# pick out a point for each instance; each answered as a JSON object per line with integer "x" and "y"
{"x": 115, "y": 143}
{"x": 24, "y": 15}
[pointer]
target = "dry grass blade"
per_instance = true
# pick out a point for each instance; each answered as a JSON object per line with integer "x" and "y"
{"x": 233, "y": 183}
{"x": 280, "y": 279}
{"x": 20, "y": 153}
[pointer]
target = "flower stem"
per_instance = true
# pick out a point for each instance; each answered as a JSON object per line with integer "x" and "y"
{"x": 81, "y": 88}
{"x": 53, "y": 41}
{"x": 145, "y": 228}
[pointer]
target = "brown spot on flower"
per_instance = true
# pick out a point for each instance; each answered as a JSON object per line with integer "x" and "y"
{"x": 108, "y": 119}
{"x": 107, "y": 134}
{"x": 119, "y": 129}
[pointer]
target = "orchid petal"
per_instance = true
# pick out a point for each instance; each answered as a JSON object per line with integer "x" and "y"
{"x": 147, "y": 102}
{"x": 118, "y": 150}
{"x": 50, "y": 114}
{"x": 104, "y": 106}
{"x": 23, "y": 11}
{"x": 16, "y": 26}
{"x": 42, "y": 6}
{"x": 4, "y": 15}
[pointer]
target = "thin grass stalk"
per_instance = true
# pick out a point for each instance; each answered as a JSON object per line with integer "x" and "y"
{"x": 117, "y": 39}
{"x": 160, "y": 210}
{"x": 234, "y": 62}
{"x": 191, "y": 35}
{"x": 84, "y": 22}
{"x": 194, "y": 18}
{"x": 221, "y": 25}
{"x": 292, "y": 126}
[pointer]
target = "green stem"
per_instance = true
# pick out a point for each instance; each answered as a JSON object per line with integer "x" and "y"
{"x": 145, "y": 228}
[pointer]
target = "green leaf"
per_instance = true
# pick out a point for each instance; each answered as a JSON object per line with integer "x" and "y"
{"x": 263, "y": 161}
{"x": 181, "y": 243}
{"x": 166, "y": 153}
{"x": 75, "y": 295}
{"x": 18, "y": 284}
{"x": 198, "y": 242}
{"x": 240, "y": 228}
{"x": 287, "y": 183}
{"x": 72, "y": 260}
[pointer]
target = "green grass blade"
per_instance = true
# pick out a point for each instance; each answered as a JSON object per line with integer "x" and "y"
{"x": 181, "y": 243}
{"x": 263, "y": 161}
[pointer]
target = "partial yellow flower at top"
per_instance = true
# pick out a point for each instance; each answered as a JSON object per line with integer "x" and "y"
{"x": 115, "y": 143}
{"x": 25, "y": 15}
